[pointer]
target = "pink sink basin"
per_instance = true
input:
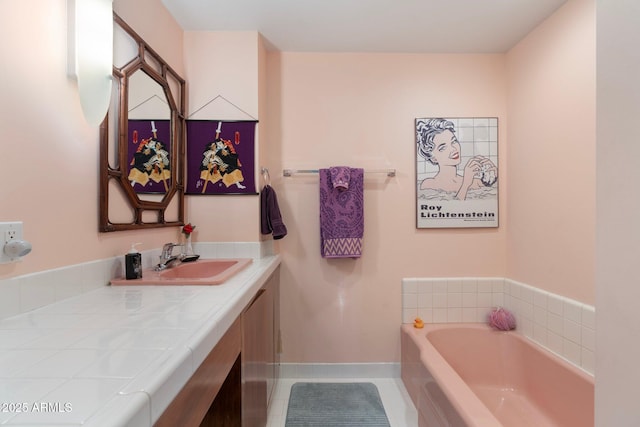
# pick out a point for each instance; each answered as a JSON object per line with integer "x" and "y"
{"x": 201, "y": 272}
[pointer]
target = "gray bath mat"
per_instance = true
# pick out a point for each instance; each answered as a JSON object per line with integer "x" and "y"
{"x": 335, "y": 404}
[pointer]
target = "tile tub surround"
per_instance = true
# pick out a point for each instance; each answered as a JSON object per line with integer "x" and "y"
{"x": 116, "y": 355}
{"x": 25, "y": 293}
{"x": 564, "y": 326}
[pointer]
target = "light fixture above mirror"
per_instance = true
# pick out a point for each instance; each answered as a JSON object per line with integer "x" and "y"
{"x": 90, "y": 54}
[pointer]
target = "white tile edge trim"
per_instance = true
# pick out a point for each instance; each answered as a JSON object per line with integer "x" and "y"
{"x": 340, "y": 370}
{"x": 559, "y": 324}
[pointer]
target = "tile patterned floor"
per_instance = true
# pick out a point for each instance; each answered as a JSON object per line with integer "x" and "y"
{"x": 396, "y": 401}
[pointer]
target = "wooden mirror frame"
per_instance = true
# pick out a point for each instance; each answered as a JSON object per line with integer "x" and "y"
{"x": 177, "y": 142}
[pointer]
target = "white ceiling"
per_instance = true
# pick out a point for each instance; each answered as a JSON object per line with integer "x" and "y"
{"x": 449, "y": 26}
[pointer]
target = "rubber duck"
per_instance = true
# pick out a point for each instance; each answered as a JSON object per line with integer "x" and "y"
{"x": 418, "y": 323}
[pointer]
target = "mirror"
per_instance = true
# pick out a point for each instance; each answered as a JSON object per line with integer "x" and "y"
{"x": 142, "y": 139}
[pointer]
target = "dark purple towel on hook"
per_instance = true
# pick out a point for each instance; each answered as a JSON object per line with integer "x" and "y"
{"x": 270, "y": 217}
{"x": 341, "y": 215}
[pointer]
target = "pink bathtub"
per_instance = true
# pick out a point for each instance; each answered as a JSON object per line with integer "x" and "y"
{"x": 465, "y": 374}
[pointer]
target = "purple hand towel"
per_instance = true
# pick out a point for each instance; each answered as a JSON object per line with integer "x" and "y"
{"x": 270, "y": 217}
{"x": 341, "y": 215}
{"x": 340, "y": 177}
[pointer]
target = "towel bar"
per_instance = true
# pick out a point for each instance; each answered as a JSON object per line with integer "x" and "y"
{"x": 290, "y": 172}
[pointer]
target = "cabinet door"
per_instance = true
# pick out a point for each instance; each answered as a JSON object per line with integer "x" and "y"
{"x": 260, "y": 352}
{"x": 255, "y": 333}
{"x": 273, "y": 341}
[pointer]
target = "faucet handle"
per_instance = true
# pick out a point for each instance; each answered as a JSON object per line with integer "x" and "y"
{"x": 167, "y": 250}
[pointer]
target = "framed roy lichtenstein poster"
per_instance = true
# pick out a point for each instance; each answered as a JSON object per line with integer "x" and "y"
{"x": 456, "y": 172}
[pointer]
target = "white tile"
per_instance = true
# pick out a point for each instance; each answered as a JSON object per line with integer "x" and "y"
{"x": 485, "y": 286}
{"x": 120, "y": 363}
{"x": 499, "y": 285}
{"x": 131, "y": 410}
{"x": 426, "y": 314}
{"x": 425, "y": 286}
{"x": 571, "y": 351}
{"x": 573, "y": 311}
{"x": 15, "y": 360}
{"x": 484, "y": 300}
{"x": 482, "y": 315}
{"x": 63, "y": 364}
{"x": 540, "y": 299}
{"x": 588, "y": 361}
{"x": 469, "y": 314}
{"x": 425, "y": 300}
{"x": 498, "y": 299}
{"x": 440, "y": 286}
{"x": 439, "y": 315}
{"x": 57, "y": 338}
{"x": 555, "y": 305}
{"x": 83, "y": 398}
{"x": 35, "y": 293}
{"x": 25, "y": 390}
{"x": 67, "y": 282}
{"x": 454, "y": 314}
{"x": 454, "y": 285}
{"x": 10, "y": 300}
{"x": 515, "y": 289}
{"x": 540, "y": 316}
{"x": 555, "y": 324}
{"x": 526, "y": 294}
{"x": 469, "y": 286}
{"x": 469, "y": 300}
{"x": 588, "y": 338}
{"x": 572, "y": 331}
{"x": 409, "y": 286}
{"x": 554, "y": 342}
{"x": 589, "y": 316}
{"x": 439, "y": 300}
{"x": 14, "y": 338}
{"x": 409, "y": 300}
{"x": 540, "y": 334}
{"x": 409, "y": 314}
{"x": 526, "y": 310}
{"x": 454, "y": 299}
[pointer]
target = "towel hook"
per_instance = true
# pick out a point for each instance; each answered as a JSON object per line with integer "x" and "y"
{"x": 265, "y": 176}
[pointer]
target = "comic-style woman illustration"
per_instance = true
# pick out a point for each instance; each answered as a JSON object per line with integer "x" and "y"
{"x": 437, "y": 143}
{"x": 220, "y": 162}
{"x": 150, "y": 161}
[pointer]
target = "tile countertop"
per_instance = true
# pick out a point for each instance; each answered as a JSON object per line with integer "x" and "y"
{"x": 116, "y": 356}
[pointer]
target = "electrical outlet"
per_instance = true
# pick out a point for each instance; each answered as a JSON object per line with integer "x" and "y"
{"x": 10, "y": 235}
{"x": 9, "y": 231}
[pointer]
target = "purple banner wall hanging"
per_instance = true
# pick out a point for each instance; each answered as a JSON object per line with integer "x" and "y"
{"x": 220, "y": 157}
{"x": 148, "y": 155}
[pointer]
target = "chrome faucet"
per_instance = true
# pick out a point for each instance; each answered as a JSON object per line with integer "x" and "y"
{"x": 167, "y": 259}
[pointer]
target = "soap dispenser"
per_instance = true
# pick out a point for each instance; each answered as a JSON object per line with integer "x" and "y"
{"x": 133, "y": 263}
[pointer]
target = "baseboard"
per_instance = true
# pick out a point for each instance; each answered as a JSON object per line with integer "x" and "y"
{"x": 340, "y": 370}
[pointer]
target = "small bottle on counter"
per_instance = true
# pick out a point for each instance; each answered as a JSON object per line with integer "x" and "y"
{"x": 133, "y": 263}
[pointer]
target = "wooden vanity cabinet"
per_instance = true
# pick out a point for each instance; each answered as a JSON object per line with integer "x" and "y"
{"x": 219, "y": 371}
{"x": 260, "y": 355}
{"x": 234, "y": 384}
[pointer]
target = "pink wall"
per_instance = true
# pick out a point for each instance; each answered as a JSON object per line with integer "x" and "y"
{"x": 359, "y": 110}
{"x": 49, "y": 154}
{"x": 226, "y": 64}
{"x": 551, "y": 158}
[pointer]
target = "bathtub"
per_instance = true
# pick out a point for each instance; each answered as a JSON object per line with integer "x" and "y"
{"x": 466, "y": 374}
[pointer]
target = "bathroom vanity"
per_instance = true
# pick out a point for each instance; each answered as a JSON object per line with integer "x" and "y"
{"x": 233, "y": 385}
{"x": 140, "y": 356}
